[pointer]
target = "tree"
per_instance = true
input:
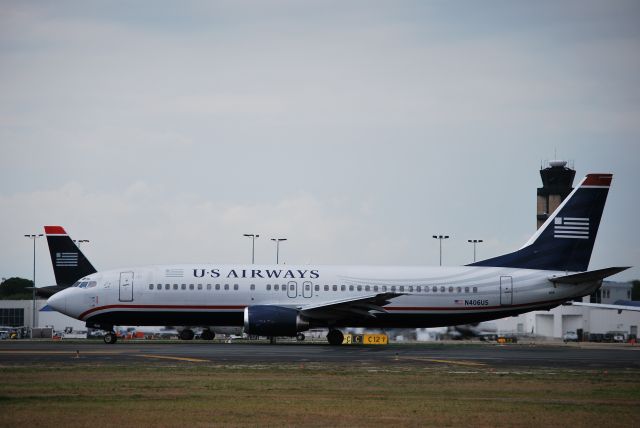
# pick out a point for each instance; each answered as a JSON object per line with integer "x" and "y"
{"x": 16, "y": 289}
{"x": 635, "y": 291}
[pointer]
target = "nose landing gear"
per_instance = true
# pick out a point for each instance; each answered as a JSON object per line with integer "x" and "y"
{"x": 110, "y": 337}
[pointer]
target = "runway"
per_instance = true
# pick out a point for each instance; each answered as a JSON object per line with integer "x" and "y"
{"x": 469, "y": 355}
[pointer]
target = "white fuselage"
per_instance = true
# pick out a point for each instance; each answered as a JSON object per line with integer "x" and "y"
{"x": 206, "y": 295}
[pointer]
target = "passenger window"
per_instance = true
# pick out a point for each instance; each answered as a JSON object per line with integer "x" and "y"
{"x": 217, "y": 286}
{"x": 367, "y": 288}
{"x": 459, "y": 289}
{"x": 384, "y": 288}
{"x": 276, "y": 287}
{"x": 175, "y": 286}
{"x": 183, "y": 287}
{"x": 306, "y": 287}
{"x": 466, "y": 289}
{"x": 442, "y": 289}
{"x": 326, "y": 288}
{"x": 410, "y": 288}
{"x": 375, "y": 288}
{"x": 393, "y": 288}
{"x": 226, "y": 286}
{"x": 359, "y": 287}
{"x": 317, "y": 287}
{"x": 150, "y": 286}
{"x": 450, "y": 289}
{"x": 402, "y": 288}
{"x": 343, "y": 287}
{"x": 292, "y": 287}
{"x": 253, "y": 287}
{"x": 235, "y": 287}
{"x": 159, "y": 287}
{"x": 208, "y": 286}
{"x": 335, "y": 287}
{"x": 167, "y": 287}
{"x": 419, "y": 288}
{"x": 351, "y": 288}
{"x": 191, "y": 287}
{"x": 475, "y": 289}
{"x": 269, "y": 287}
{"x": 199, "y": 286}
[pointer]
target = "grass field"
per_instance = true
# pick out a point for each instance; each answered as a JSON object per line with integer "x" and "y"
{"x": 313, "y": 395}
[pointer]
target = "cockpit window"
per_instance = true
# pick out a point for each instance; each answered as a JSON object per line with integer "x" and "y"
{"x": 92, "y": 284}
{"x": 83, "y": 284}
{"x": 75, "y": 284}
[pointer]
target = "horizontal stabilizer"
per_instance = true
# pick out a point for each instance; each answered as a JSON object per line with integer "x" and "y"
{"x": 589, "y": 276}
{"x": 619, "y": 305}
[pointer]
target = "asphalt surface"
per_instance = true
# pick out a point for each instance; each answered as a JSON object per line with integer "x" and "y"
{"x": 462, "y": 355}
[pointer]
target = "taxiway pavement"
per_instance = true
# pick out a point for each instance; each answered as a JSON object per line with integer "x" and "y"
{"x": 470, "y": 355}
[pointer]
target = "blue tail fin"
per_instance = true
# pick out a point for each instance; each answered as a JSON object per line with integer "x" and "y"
{"x": 565, "y": 241}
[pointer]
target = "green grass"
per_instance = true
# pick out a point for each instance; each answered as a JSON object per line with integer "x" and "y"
{"x": 313, "y": 395}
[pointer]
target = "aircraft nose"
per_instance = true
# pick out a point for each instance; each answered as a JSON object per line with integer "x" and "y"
{"x": 58, "y": 301}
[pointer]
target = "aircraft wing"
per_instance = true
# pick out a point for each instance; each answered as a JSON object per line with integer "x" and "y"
{"x": 363, "y": 306}
{"x": 588, "y": 276}
{"x": 619, "y": 305}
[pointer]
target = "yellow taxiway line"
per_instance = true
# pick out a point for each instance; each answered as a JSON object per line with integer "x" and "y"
{"x": 454, "y": 362}
{"x": 166, "y": 357}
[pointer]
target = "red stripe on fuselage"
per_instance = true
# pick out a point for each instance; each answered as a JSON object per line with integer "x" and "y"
{"x": 192, "y": 307}
{"x": 388, "y": 308}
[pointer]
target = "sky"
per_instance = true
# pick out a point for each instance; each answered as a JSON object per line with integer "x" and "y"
{"x": 163, "y": 131}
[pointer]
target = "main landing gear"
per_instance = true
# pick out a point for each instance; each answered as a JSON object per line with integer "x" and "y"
{"x": 110, "y": 337}
{"x": 335, "y": 337}
{"x": 207, "y": 335}
{"x": 186, "y": 334}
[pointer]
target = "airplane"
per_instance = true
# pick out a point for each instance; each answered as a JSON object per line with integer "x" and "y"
{"x": 283, "y": 300}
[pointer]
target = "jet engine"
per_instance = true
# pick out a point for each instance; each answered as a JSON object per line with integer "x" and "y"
{"x": 272, "y": 321}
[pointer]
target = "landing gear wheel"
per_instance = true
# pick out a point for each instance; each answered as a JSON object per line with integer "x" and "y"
{"x": 186, "y": 334}
{"x": 300, "y": 337}
{"x": 335, "y": 337}
{"x": 110, "y": 338}
{"x": 207, "y": 335}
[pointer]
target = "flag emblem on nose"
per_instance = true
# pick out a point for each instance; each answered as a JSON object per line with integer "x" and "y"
{"x": 66, "y": 259}
{"x": 571, "y": 227}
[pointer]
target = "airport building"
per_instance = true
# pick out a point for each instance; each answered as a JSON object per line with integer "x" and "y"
{"x": 557, "y": 183}
{"x": 19, "y": 313}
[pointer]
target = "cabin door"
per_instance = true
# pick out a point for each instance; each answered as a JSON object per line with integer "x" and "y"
{"x": 506, "y": 290}
{"x": 126, "y": 286}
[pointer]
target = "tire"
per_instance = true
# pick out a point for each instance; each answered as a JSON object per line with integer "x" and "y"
{"x": 207, "y": 335}
{"x": 300, "y": 337}
{"x": 110, "y": 338}
{"x": 335, "y": 337}
{"x": 186, "y": 334}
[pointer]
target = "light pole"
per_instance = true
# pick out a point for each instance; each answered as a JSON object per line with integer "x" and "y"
{"x": 278, "y": 241}
{"x": 474, "y": 242}
{"x": 253, "y": 246}
{"x": 34, "y": 236}
{"x": 440, "y": 238}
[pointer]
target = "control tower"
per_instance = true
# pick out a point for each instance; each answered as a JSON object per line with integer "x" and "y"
{"x": 557, "y": 182}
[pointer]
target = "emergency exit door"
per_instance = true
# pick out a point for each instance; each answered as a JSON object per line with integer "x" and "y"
{"x": 126, "y": 286}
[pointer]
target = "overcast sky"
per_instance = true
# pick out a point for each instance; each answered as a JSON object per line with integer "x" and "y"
{"x": 163, "y": 131}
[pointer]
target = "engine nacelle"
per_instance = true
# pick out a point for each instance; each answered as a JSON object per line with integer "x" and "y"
{"x": 267, "y": 320}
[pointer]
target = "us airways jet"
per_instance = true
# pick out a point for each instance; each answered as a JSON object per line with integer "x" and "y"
{"x": 276, "y": 300}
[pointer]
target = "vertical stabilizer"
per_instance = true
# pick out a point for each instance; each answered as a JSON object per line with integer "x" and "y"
{"x": 565, "y": 241}
{"x": 69, "y": 264}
